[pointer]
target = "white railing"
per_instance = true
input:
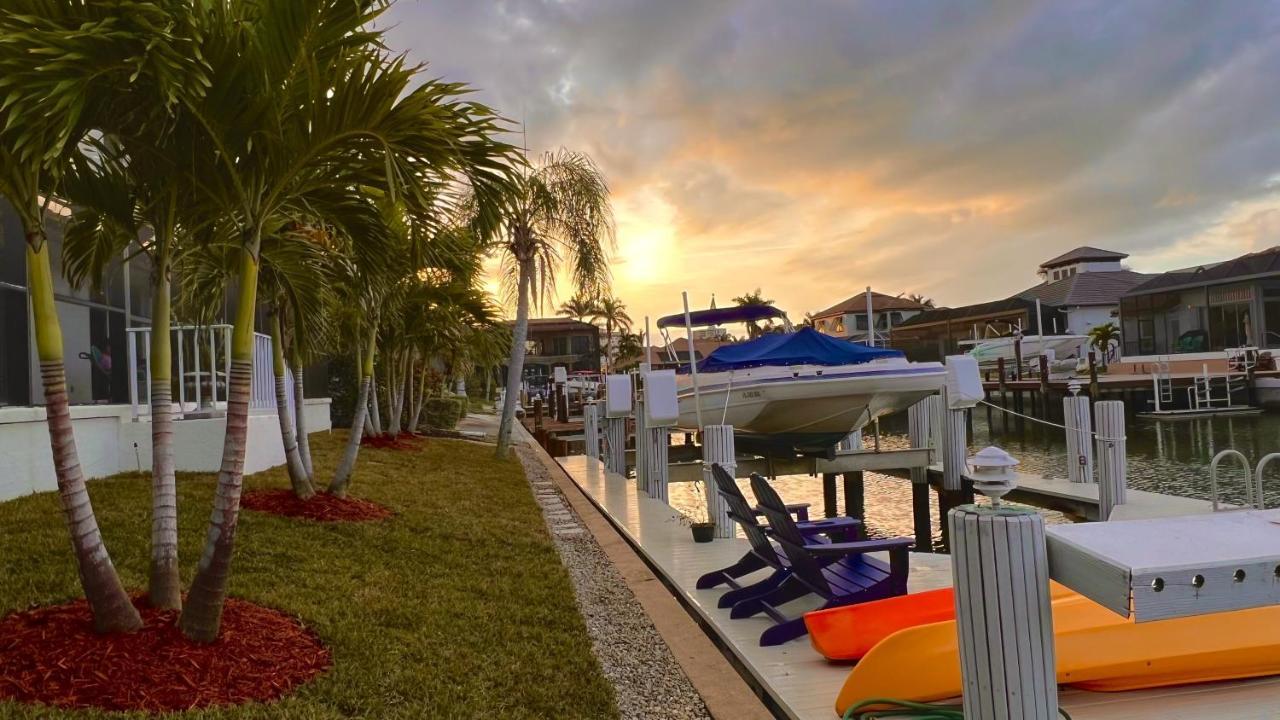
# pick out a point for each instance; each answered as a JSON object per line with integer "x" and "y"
{"x": 202, "y": 358}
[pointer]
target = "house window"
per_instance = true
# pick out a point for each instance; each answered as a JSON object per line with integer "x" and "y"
{"x": 581, "y": 344}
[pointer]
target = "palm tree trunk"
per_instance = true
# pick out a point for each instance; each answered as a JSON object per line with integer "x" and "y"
{"x": 608, "y": 344}
{"x": 342, "y": 478}
{"x": 110, "y": 605}
{"x": 300, "y": 419}
{"x": 393, "y": 395}
{"x": 376, "y": 413}
{"x": 422, "y": 398}
{"x": 293, "y": 458}
{"x": 202, "y": 617}
{"x": 165, "y": 590}
{"x": 515, "y": 366}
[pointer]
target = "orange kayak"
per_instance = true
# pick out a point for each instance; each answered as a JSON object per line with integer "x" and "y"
{"x": 1095, "y": 650}
{"x": 848, "y": 633}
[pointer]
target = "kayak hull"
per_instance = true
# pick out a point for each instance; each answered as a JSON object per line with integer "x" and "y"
{"x": 1095, "y": 650}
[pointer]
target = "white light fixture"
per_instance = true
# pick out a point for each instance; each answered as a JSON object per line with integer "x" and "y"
{"x": 1073, "y": 386}
{"x": 993, "y": 474}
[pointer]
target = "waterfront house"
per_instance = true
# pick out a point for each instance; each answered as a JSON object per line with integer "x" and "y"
{"x": 563, "y": 342}
{"x": 848, "y": 318}
{"x": 104, "y": 333}
{"x": 1078, "y": 290}
{"x": 1195, "y": 314}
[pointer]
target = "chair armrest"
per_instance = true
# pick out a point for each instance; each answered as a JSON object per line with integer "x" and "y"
{"x": 810, "y": 527}
{"x": 860, "y": 547}
{"x": 800, "y": 510}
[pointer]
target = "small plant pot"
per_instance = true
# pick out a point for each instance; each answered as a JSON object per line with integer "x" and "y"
{"x": 703, "y": 532}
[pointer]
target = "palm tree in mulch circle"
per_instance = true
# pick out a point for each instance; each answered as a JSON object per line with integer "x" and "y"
{"x": 302, "y": 117}
{"x": 73, "y": 68}
{"x": 613, "y": 312}
{"x": 557, "y": 217}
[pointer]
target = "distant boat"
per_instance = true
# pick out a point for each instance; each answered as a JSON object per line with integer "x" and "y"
{"x": 989, "y": 351}
{"x": 794, "y": 392}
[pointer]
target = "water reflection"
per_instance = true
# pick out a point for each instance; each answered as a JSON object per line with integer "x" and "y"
{"x": 1163, "y": 456}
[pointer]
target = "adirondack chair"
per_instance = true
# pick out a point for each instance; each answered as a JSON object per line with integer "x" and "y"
{"x": 764, "y": 554}
{"x": 853, "y": 577}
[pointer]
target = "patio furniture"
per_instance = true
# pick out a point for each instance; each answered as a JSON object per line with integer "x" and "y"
{"x": 840, "y": 573}
{"x": 764, "y": 554}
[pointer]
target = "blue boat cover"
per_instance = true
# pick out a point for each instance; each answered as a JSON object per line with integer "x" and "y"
{"x": 723, "y": 316}
{"x": 806, "y": 347}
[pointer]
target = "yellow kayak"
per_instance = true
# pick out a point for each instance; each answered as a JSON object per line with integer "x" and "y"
{"x": 1095, "y": 649}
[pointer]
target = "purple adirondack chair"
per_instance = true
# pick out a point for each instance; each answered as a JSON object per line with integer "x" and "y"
{"x": 853, "y": 577}
{"x": 764, "y": 553}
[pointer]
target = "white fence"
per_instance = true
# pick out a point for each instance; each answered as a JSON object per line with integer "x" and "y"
{"x": 202, "y": 362}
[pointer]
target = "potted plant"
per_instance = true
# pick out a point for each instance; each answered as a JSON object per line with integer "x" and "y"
{"x": 702, "y": 527}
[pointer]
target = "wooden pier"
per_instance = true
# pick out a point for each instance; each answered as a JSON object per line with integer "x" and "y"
{"x": 795, "y": 681}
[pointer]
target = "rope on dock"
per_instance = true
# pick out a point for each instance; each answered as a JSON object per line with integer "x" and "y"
{"x": 1042, "y": 421}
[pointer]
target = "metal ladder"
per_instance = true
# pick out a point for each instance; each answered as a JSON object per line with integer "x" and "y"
{"x": 1163, "y": 384}
{"x": 1253, "y": 492}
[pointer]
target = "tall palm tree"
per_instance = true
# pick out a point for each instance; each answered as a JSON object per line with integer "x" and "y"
{"x": 630, "y": 350}
{"x": 579, "y": 308}
{"x": 755, "y": 298}
{"x": 614, "y": 314}
{"x": 1104, "y": 337}
{"x": 303, "y": 113}
{"x": 558, "y": 212}
{"x": 70, "y": 68}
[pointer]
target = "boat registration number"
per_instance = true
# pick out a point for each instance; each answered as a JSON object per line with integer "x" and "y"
{"x": 749, "y": 394}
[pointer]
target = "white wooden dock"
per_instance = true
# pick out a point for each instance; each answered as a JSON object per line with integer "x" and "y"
{"x": 799, "y": 683}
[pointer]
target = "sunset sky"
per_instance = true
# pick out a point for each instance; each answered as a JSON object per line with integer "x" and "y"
{"x": 812, "y": 148}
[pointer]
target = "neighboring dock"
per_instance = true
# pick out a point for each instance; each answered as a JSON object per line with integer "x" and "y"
{"x": 795, "y": 681}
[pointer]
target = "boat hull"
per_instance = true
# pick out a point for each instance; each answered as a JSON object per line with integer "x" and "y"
{"x": 807, "y": 410}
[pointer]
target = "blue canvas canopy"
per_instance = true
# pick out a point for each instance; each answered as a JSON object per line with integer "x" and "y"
{"x": 806, "y": 347}
{"x": 723, "y": 316}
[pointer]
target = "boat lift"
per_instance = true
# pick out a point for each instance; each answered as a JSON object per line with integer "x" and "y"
{"x": 1208, "y": 395}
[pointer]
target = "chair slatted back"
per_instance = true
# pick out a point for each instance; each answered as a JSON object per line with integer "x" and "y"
{"x": 784, "y": 529}
{"x": 740, "y": 511}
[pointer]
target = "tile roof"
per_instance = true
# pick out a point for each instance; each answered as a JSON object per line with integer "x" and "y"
{"x": 879, "y": 301}
{"x": 994, "y": 307}
{"x": 1082, "y": 254}
{"x": 1086, "y": 288}
{"x": 1262, "y": 262}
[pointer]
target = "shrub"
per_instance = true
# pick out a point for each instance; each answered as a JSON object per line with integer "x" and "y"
{"x": 442, "y": 413}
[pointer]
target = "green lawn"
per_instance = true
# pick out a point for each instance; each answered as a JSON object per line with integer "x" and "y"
{"x": 456, "y": 608}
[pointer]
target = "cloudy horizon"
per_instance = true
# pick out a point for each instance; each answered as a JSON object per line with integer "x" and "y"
{"x": 812, "y": 149}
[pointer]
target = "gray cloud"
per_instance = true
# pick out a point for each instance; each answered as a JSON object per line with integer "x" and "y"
{"x": 945, "y": 148}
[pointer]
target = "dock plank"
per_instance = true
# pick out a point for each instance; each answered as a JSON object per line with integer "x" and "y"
{"x": 800, "y": 683}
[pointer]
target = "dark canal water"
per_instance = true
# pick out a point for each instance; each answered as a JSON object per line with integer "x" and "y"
{"x": 1164, "y": 456}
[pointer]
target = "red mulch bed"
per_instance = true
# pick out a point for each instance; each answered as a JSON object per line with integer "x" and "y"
{"x": 322, "y": 507}
{"x": 51, "y": 656}
{"x": 403, "y": 441}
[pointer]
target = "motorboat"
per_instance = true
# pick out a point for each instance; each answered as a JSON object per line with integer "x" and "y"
{"x": 794, "y": 392}
{"x": 991, "y": 350}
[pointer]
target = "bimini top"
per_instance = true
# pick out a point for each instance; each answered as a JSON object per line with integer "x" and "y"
{"x": 723, "y": 316}
{"x": 806, "y": 347}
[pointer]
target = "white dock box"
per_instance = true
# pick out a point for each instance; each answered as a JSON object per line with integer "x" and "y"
{"x": 660, "y": 404}
{"x": 617, "y": 396}
{"x": 964, "y": 384}
{"x": 560, "y": 374}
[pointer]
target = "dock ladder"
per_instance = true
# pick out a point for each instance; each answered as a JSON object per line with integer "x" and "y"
{"x": 1163, "y": 384}
{"x": 1253, "y": 495}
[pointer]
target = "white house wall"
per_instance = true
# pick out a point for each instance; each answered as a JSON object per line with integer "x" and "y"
{"x": 1081, "y": 319}
{"x": 106, "y": 437}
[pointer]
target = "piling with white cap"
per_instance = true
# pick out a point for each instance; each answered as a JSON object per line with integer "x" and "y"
{"x": 642, "y": 446}
{"x": 717, "y": 448}
{"x": 1079, "y": 421}
{"x": 1004, "y": 619}
{"x": 1112, "y": 464}
{"x": 591, "y": 429}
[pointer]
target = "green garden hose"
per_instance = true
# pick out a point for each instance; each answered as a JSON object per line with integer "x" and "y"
{"x": 890, "y": 708}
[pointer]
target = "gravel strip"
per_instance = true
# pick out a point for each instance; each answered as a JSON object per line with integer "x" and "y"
{"x": 648, "y": 681}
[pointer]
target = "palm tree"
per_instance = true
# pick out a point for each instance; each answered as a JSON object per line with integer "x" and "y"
{"x": 579, "y": 308}
{"x": 1104, "y": 337}
{"x": 70, "y": 68}
{"x": 558, "y": 212}
{"x": 920, "y": 299}
{"x": 755, "y": 299}
{"x": 614, "y": 314}
{"x": 630, "y": 350}
{"x": 302, "y": 114}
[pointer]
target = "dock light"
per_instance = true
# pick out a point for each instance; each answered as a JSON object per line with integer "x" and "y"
{"x": 1073, "y": 387}
{"x": 993, "y": 474}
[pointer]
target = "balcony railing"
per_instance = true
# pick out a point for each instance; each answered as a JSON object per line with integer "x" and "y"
{"x": 202, "y": 362}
